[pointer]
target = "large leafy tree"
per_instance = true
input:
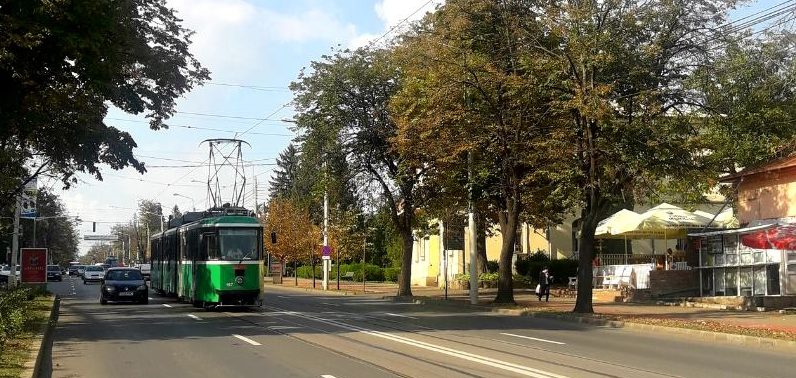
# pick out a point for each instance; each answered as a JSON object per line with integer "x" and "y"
{"x": 344, "y": 100}
{"x": 63, "y": 63}
{"x": 617, "y": 71}
{"x": 296, "y": 236}
{"x": 285, "y": 180}
{"x": 467, "y": 91}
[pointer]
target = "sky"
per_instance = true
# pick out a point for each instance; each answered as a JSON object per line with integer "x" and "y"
{"x": 254, "y": 49}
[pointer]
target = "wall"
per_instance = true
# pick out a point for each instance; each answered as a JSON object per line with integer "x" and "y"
{"x": 767, "y": 195}
{"x": 673, "y": 282}
{"x": 425, "y": 261}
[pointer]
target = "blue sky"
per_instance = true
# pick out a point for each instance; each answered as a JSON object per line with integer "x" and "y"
{"x": 254, "y": 43}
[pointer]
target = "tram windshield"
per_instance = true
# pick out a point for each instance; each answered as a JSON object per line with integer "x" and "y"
{"x": 240, "y": 244}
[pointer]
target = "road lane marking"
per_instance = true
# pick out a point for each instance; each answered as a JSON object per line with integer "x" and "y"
{"x": 279, "y": 328}
{"x": 484, "y": 360}
{"x": 399, "y": 315}
{"x": 248, "y": 340}
{"x": 328, "y": 376}
{"x": 166, "y": 305}
{"x": 330, "y": 304}
{"x": 533, "y": 338}
{"x": 192, "y": 316}
{"x": 150, "y": 298}
{"x": 282, "y": 296}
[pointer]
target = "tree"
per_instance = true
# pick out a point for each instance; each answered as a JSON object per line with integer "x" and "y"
{"x": 343, "y": 102}
{"x": 175, "y": 212}
{"x": 296, "y": 236}
{"x": 56, "y": 231}
{"x": 64, "y": 63}
{"x": 616, "y": 71}
{"x": 284, "y": 181}
{"x": 469, "y": 108}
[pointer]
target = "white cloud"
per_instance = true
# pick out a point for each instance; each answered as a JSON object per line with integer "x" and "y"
{"x": 396, "y": 12}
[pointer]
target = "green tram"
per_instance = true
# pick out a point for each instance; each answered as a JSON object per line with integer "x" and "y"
{"x": 211, "y": 258}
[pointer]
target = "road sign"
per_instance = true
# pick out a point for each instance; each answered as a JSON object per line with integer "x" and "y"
{"x": 34, "y": 265}
{"x": 101, "y": 237}
{"x": 326, "y": 252}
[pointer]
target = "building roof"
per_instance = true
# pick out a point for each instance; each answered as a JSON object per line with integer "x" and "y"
{"x": 773, "y": 165}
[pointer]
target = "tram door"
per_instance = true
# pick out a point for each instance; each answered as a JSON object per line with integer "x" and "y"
{"x": 180, "y": 261}
{"x": 790, "y": 272}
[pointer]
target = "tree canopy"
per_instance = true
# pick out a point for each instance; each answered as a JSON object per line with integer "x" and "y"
{"x": 63, "y": 63}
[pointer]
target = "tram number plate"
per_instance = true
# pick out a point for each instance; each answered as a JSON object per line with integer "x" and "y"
{"x": 126, "y": 294}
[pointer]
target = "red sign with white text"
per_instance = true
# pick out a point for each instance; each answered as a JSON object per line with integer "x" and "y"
{"x": 34, "y": 265}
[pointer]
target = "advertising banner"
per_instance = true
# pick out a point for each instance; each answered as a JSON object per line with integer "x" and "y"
{"x": 34, "y": 265}
{"x": 27, "y": 208}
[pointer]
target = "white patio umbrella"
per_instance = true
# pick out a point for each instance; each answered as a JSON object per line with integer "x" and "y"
{"x": 725, "y": 219}
{"x": 617, "y": 223}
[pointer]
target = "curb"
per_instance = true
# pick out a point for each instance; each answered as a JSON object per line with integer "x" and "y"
{"x": 43, "y": 345}
{"x": 740, "y": 340}
{"x": 344, "y": 293}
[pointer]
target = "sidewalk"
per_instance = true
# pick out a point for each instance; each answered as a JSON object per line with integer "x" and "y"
{"x": 759, "y": 324}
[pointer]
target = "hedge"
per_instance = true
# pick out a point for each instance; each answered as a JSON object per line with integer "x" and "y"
{"x": 372, "y": 272}
{"x": 561, "y": 270}
{"x": 15, "y": 307}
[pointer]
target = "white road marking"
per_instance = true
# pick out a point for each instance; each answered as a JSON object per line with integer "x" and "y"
{"x": 400, "y": 315}
{"x": 328, "y": 376}
{"x": 330, "y": 304}
{"x": 246, "y": 339}
{"x": 278, "y": 328}
{"x": 504, "y": 365}
{"x": 282, "y": 296}
{"x": 166, "y": 305}
{"x": 150, "y": 298}
{"x": 533, "y": 338}
{"x": 192, "y": 316}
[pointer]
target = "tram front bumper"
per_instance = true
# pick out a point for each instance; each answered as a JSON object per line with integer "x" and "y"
{"x": 238, "y": 297}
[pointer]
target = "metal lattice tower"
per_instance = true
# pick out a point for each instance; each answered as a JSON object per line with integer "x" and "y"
{"x": 225, "y": 163}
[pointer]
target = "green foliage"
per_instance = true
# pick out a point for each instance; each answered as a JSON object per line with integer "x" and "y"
{"x": 15, "y": 307}
{"x": 63, "y": 63}
{"x": 539, "y": 255}
{"x": 305, "y": 271}
{"x": 57, "y": 232}
{"x": 492, "y": 266}
{"x": 391, "y": 274}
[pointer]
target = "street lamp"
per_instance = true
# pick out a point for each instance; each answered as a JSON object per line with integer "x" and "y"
{"x": 192, "y": 201}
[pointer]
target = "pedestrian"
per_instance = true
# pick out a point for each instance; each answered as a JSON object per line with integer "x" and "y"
{"x": 545, "y": 279}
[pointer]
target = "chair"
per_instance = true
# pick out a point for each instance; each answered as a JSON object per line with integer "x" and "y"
{"x": 573, "y": 283}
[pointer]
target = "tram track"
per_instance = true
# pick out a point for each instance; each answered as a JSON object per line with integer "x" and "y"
{"x": 424, "y": 331}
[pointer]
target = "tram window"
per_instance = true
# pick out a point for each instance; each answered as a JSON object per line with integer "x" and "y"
{"x": 210, "y": 246}
{"x": 239, "y": 244}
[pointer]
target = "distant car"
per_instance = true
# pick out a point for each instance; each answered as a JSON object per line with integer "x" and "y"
{"x": 5, "y": 272}
{"x": 54, "y": 273}
{"x": 93, "y": 273}
{"x": 81, "y": 270}
{"x": 146, "y": 270}
{"x": 72, "y": 270}
{"x": 124, "y": 285}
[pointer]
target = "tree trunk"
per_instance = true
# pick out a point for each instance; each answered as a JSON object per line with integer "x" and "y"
{"x": 583, "y": 303}
{"x": 508, "y": 228}
{"x": 481, "y": 244}
{"x": 405, "y": 279}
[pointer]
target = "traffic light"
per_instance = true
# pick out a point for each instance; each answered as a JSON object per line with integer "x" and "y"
{"x": 93, "y": 226}
{"x": 273, "y": 238}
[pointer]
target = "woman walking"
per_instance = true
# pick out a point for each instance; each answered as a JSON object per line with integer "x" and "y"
{"x": 545, "y": 279}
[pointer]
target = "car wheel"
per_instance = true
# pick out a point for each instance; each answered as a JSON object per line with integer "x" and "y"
{"x": 103, "y": 301}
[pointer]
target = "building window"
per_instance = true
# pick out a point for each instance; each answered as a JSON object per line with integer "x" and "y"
{"x": 760, "y": 280}
{"x": 718, "y": 282}
{"x": 772, "y": 279}
{"x": 423, "y": 249}
{"x": 731, "y": 282}
{"x": 575, "y": 233}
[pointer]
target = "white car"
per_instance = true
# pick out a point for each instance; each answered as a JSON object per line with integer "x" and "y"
{"x": 93, "y": 273}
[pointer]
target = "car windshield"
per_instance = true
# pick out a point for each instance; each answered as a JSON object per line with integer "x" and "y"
{"x": 94, "y": 269}
{"x": 54, "y": 268}
{"x": 238, "y": 244}
{"x": 124, "y": 275}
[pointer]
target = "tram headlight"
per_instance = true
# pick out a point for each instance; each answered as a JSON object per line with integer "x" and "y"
{"x": 239, "y": 280}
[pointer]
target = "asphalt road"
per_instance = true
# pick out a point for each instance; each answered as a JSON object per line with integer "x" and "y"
{"x": 299, "y": 334}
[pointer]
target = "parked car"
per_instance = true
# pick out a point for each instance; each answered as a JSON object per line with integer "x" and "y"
{"x": 5, "y": 272}
{"x": 54, "y": 273}
{"x": 93, "y": 273}
{"x": 124, "y": 285}
{"x": 81, "y": 270}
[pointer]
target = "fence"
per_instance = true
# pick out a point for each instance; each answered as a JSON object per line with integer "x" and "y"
{"x": 618, "y": 275}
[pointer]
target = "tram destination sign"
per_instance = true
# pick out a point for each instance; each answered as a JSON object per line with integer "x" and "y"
{"x": 101, "y": 237}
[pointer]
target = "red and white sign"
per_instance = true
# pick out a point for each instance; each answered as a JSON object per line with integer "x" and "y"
{"x": 34, "y": 265}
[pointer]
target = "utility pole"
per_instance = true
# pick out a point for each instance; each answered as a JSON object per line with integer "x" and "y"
{"x": 12, "y": 278}
{"x": 472, "y": 234}
{"x": 256, "y": 203}
{"x": 326, "y": 260}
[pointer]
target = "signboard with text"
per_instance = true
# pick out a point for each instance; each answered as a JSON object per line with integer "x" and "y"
{"x": 101, "y": 237}
{"x": 276, "y": 271}
{"x": 34, "y": 265}
{"x": 27, "y": 200}
{"x": 326, "y": 252}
